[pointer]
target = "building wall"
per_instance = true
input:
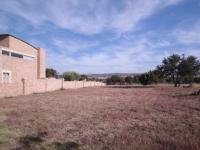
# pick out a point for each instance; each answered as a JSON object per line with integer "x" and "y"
{"x": 21, "y": 68}
{"x": 41, "y": 68}
{"x": 20, "y": 46}
{"x": 4, "y": 41}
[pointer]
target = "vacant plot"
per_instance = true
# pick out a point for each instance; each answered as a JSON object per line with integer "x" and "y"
{"x": 102, "y": 118}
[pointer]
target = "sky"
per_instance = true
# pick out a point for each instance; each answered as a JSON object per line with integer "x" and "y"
{"x": 105, "y": 36}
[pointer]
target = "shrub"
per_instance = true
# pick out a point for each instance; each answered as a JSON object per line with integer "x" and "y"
{"x": 114, "y": 80}
{"x": 71, "y": 76}
{"x": 83, "y": 77}
{"x": 50, "y": 72}
{"x": 129, "y": 80}
{"x": 148, "y": 78}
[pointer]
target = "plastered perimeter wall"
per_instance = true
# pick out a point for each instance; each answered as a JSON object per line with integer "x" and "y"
{"x": 53, "y": 84}
{"x": 34, "y": 86}
{"x": 9, "y": 90}
{"x": 26, "y": 87}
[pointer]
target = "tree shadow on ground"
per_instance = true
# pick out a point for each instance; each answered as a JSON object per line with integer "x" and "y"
{"x": 33, "y": 142}
{"x": 28, "y": 142}
{"x": 65, "y": 146}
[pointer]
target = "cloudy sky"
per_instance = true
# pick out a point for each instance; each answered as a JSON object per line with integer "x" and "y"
{"x": 104, "y": 36}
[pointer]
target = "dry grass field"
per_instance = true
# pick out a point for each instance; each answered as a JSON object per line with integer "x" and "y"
{"x": 161, "y": 118}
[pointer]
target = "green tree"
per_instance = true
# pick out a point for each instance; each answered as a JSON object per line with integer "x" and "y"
{"x": 136, "y": 79}
{"x": 71, "y": 76}
{"x": 148, "y": 78}
{"x": 197, "y": 79}
{"x": 129, "y": 80}
{"x": 159, "y": 74}
{"x": 50, "y": 72}
{"x": 83, "y": 77}
{"x": 169, "y": 68}
{"x": 189, "y": 68}
{"x": 114, "y": 80}
{"x": 144, "y": 79}
{"x": 179, "y": 69}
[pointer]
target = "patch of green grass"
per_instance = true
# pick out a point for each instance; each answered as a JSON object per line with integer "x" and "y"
{"x": 7, "y": 137}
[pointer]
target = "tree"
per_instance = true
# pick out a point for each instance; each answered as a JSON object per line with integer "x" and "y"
{"x": 83, "y": 77}
{"x": 50, "y": 72}
{"x": 114, "y": 80}
{"x": 159, "y": 74}
{"x": 148, "y": 78}
{"x": 144, "y": 79}
{"x": 136, "y": 79}
{"x": 189, "y": 68}
{"x": 179, "y": 69}
{"x": 170, "y": 67}
{"x": 129, "y": 80}
{"x": 71, "y": 76}
{"x": 197, "y": 79}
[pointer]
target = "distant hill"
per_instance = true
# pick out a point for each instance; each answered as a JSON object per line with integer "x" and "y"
{"x": 107, "y": 75}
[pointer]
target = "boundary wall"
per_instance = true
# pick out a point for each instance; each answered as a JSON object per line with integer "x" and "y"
{"x": 26, "y": 87}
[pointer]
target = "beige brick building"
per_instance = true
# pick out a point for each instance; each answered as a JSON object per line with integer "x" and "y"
{"x": 20, "y": 60}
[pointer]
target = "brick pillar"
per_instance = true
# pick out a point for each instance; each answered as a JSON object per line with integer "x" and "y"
{"x": 23, "y": 87}
{"x": 84, "y": 83}
{"x": 1, "y": 94}
{"x": 62, "y": 84}
{"x": 0, "y": 66}
{"x": 41, "y": 60}
{"x": 46, "y": 84}
{"x": 75, "y": 83}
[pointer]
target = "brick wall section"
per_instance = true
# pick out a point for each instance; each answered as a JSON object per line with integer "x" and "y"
{"x": 0, "y": 67}
{"x": 17, "y": 45}
{"x": 34, "y": 86}
{"x": 20, "y": 68}
{"x": 69, "y": 85}
{"x": 24, "y": 69}
{"x": 26, "y": 87}
{"x": 41, "y": 63}
{"x": 4, "y": 41}
{"x": 10, "y": 90}
{"x": 53, "y": 84}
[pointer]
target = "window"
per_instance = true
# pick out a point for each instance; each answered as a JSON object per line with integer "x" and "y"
{"x": 27, "y": 58}
{"x": 16, "y": 55}
{"x": 5, "y": 53}
{"x": 6, "y": 77}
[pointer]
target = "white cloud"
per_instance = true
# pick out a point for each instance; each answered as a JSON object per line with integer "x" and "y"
{"x": 73, "y": 45}
{"x": 127, "y": 53}
{"x": 188, "y": 35}
{"x": 138, "y": 53}
{"x": 88, "y": 16}
{"x": 127, "y": 56}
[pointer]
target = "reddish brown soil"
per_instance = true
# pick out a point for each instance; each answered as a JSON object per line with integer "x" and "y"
{"x": 106, "y": 118}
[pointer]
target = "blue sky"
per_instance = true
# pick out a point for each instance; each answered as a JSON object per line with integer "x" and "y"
{"x": 105, "y": 36}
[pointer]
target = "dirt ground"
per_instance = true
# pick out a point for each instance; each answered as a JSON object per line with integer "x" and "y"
{"x": 102, "y": 119}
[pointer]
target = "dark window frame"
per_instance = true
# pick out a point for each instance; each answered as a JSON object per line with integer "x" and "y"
{"x": 16, "y": 55}
{"x": 5, "y": 53}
